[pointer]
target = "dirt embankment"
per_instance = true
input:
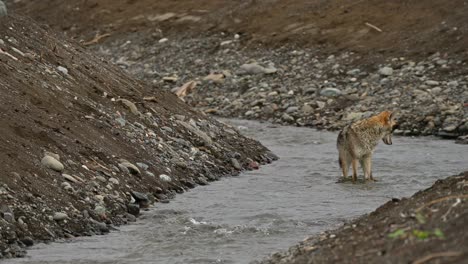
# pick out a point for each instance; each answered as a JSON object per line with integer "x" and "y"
{"x": 429, "y": 227}
{"x": 394, "y": 27}
{"x": 84, "y": 146}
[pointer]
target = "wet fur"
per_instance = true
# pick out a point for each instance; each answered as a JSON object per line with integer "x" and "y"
{"x": 356, "y": 142}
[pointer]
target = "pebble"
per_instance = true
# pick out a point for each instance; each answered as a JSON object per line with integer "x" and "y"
{"x": 60, "y": 216}
{"x": 165, "y": 178}
{"x": 62, "y": 70}
{"x": 52, "y": 163}
{"x": 255, "y": 68}
{"x": 330, "y": 92}
{"x": 386, "y": 71}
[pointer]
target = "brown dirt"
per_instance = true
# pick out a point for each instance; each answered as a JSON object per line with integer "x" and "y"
{"x": 409, "y": 28}
{"x": 76, "y": 115}
{"x": 374, "y": 238}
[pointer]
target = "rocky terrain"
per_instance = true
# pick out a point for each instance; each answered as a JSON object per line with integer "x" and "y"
{"x": 85, "y": 147}
{"x": 425, "y": 228}
{"x": 325, "y": 64}
{"x": 300, "y": 86}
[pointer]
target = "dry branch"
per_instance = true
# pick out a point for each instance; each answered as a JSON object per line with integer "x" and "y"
{"x": 372, "y": 26}
{"x": 437, "y": 255}
{"x": 441, "y": 200}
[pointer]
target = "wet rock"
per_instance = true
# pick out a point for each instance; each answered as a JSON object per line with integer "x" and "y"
{"x": 52, "y": 163}
{"x": 143, "y": 166}
{"x": 27, "y": 241}
{"x": 130, "y": 217}
{"x": 235, "y": 163}
{"x": 133, "y": 209}
{"x": 59, "y": 216}
{"x": 462, "y": 140}
{"x": 386, "y": 71}
{"x": 140, "y": 198}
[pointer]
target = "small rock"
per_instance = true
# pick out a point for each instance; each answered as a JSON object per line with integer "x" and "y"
{"x": 131, "y": 106}
{"x": 330, "y": 92}
{"x": 130, "y": 217}
{"x": 52, "y": 163}
{"x": 140, "y": 197}
{"x": 236, "y": 164}
{"x": 9, "y": 217}
{"x": 386, "y": 71}
{"x": 432, "y": 83}
{"x": 165, "y": 178}
{"x": 27, "y": 241}
{"x": 292, "y": 109}
{"x": 287, "y": 118}
{"x": 62, "y": 70}
{"x": 353, "y": 72}
{"x": 133, "y": 209}
{"x": 130, "y": 167}
{"x": 60, "y": 216}
{"x": 255, "y": 68}
{"x": 114, "y": 181}
{"x": 163, "y": 40}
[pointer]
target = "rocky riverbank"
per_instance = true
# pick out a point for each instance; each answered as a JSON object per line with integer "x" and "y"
{"x": 299, "y": 86}
{"x": 325, "y": 66}
{"x": 425, "y": 228}
{"x": 85, "y": 147}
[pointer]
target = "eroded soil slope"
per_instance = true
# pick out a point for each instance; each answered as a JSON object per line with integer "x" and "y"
{"x": 410, "y": 27}
{"x": 83, "y": 146}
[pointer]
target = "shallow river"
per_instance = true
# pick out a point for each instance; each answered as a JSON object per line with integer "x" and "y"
{"x": 245, "y": 218}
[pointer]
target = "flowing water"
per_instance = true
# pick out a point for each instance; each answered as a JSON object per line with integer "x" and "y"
{"x": 245, "y": 218}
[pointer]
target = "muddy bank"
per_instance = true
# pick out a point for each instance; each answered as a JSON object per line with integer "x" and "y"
{"x": 425, "y": 228}
{"x": 84, "y": 146}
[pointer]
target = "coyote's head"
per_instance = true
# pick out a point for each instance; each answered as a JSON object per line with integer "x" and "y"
{"x": 388, "y": 122}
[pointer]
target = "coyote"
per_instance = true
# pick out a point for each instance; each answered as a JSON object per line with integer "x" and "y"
{"x": 357, "y": 141}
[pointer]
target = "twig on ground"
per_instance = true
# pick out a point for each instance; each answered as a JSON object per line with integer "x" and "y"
{"x": 96, "y": 39}
{"x": 437, "y": 255}
{"x": 150, "y": 98}
{"x": 372, "y": 26}
{"x": 8, "y": 54}
{"x": 441, "y": 200}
